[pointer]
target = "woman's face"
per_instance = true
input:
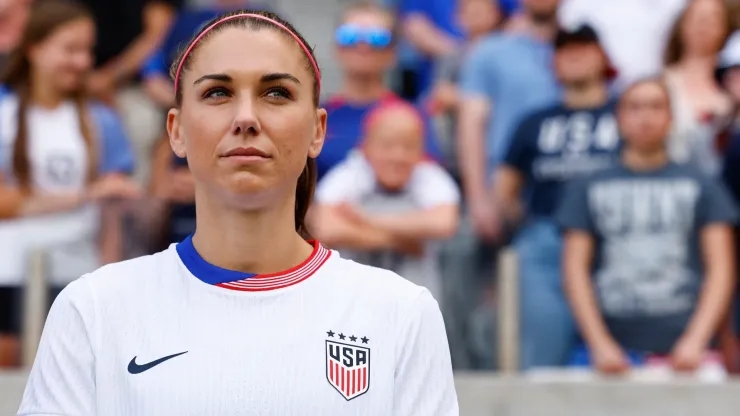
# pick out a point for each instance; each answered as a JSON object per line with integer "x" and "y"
{"x": 247, "y": 119}
{"x": 704, "y": 26}
{"x": 65, "y": 56}
{"x": 645, "y": 116}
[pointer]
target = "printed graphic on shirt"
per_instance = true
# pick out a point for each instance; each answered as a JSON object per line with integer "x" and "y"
{"x": 348, "y": 364}
{"x": 649, "y": 222}
{"x": 61, "y": 169}
{"x": 556, "y": 145}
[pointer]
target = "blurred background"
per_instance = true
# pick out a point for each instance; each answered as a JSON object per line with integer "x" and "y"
{"x": 471, "y": 147}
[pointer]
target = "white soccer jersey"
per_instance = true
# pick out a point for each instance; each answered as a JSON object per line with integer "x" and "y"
{"x": 171, "y": 334}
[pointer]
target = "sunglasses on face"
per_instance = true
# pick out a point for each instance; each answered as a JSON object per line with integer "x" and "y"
{"x": 375, "y": 37}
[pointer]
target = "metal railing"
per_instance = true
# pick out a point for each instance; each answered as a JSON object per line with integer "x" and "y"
{"x": 34, "y": 306}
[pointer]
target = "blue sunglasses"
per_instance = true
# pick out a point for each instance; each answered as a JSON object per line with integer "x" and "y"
{"x": 375, "y": 37}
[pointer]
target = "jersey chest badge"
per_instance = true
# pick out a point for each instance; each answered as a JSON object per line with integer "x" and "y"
{"x": 348, "y": 364}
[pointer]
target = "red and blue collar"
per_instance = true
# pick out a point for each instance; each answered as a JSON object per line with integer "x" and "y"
{"x": 248, "y": 282}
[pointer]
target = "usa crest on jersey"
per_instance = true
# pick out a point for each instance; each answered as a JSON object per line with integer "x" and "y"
{"x": 348, "y": 368}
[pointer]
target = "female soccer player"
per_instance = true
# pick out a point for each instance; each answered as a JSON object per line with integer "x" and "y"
{"x": 245, "y": 316}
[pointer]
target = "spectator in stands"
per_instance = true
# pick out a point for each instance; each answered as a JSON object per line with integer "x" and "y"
{"x": 728, "y": 76}
{"x": 701, "y": 109}
{"x": 504, "y": 77}
{"x": 384, "y": 205}
{"x": 478, "y": 18}
{"x": 648, "y": 258}
{"x": 551, "y": 147}
{"x": 60, "y": 156}
{"x": 430, "y": 32}
{"x": 13, "y": 17}
{"x": 128, "y": 32}
{"x": 365, "y": 49}
{"x": 634, "y": 33}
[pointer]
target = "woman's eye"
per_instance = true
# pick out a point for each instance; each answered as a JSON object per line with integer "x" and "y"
{"x": 277, "y": 93}
{"x": 216, "y": 93}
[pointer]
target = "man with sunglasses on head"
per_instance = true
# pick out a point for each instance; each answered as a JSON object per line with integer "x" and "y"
{"x": 365, "y": 49}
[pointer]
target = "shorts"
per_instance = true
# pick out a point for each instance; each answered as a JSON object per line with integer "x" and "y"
{"x": 11, "y": 307}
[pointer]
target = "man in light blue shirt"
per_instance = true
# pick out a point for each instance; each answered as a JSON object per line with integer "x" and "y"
{"x": 504, "y": 77}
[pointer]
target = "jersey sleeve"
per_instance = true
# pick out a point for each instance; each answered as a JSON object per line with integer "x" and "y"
{"x": 62, "y": 380}
{"x": 424, "y": 384}
{"x": 433, "y": 186}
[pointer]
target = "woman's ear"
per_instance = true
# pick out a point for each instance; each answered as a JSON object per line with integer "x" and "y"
{"x": 317, "y": 141}
{"x": 177, "y": 141}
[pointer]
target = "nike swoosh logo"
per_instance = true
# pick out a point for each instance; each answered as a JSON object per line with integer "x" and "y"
{"x": 134, "y": 368}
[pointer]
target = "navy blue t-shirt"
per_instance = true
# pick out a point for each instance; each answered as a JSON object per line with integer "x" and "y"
{"x": 554, "y": 145}
{"x": 648, "y": 263}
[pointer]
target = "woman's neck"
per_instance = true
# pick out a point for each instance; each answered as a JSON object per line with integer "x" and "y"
{"x": 44, "y": 94}
{"x": 362, "y": 89}
{"x": 260, "y": 241}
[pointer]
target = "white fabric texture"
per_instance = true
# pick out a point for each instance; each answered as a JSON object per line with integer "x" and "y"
{"x": 256, "y": 353}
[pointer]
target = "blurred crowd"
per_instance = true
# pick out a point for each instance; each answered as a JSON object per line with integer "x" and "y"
{"x": 595, "y": 138}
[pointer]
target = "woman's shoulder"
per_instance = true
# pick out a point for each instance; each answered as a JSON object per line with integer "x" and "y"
{"x": 372, "y": 284}
{"x": 126, "y": 278}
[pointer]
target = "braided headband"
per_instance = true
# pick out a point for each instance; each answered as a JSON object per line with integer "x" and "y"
{"x": 255, "y": 16}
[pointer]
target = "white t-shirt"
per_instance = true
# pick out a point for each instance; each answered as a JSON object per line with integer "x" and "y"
{"x": 170, "y": 334}
{"x": 354, "y": 181}
{"x": 634, "y": 33}
{"x": 59, "y": 163}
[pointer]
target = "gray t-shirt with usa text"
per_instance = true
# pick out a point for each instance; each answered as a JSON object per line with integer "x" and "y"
{"x": 648, "y": 267}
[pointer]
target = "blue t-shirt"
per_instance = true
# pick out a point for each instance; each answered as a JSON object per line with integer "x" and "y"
{"x": 647, "y": 268}
{"x": 442, "y": 14}
{"x": 513, "y": 72}
{"x": 344, "y": 130}
{"x": 554, "y": 145}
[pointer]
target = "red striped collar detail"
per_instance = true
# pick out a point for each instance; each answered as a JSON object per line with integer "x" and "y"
{"x": 265, "y": 282}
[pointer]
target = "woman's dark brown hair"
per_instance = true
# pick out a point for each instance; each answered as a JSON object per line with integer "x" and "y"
{"x": 45, "y": 19}
{"x": 675, "y": 48}
{"x": 307, "y": 181}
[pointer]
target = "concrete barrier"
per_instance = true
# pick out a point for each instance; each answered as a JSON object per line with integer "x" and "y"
{"x": 485, "y": 394}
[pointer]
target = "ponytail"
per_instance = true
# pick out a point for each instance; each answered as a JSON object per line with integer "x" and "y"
{"x": 303, "y": 195}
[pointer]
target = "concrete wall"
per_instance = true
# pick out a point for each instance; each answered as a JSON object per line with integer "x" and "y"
{"x": 488, "y": 395}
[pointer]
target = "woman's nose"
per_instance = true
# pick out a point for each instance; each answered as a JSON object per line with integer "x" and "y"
{"x": 245, "y": 118}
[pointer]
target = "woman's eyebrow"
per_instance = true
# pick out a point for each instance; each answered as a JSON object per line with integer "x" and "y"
{"x": 264, "y": 79}
{"x": 214, "y": 77}
{"x": 277, "y": 76}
